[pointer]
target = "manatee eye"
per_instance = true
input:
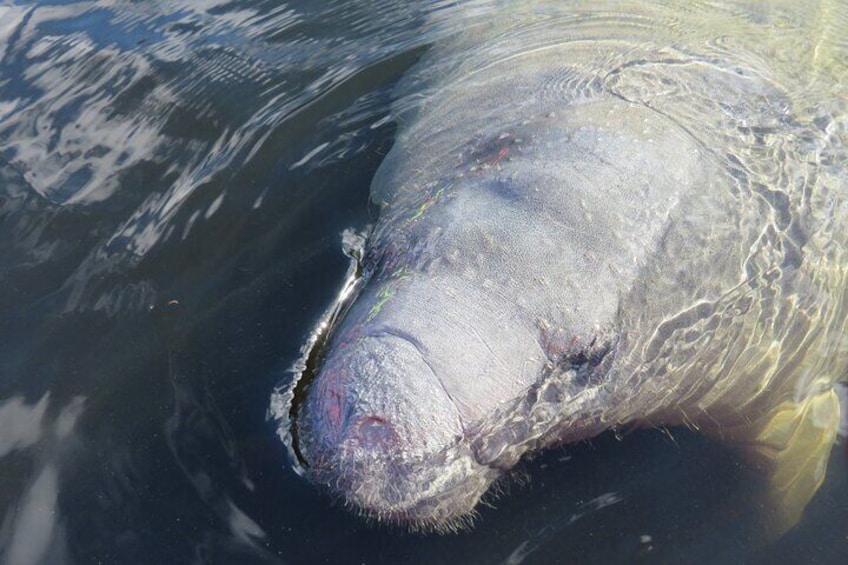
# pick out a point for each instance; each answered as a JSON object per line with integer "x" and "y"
{"x": 586, "y": 360}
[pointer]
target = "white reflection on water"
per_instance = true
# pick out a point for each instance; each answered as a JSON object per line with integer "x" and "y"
{"x": 241, "y": 526}
{"x": 10, "y": 19}
{"x": 151, "y": 107}
{"x": 72, "y": 140}
{"x": 20, "y": 424}
{"x": 32, "y": 530}
{"x": 535, "y": 541}
{"x": 36, "y": 527}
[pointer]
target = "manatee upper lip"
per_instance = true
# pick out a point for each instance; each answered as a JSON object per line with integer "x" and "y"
{"x": 396, "y": 333}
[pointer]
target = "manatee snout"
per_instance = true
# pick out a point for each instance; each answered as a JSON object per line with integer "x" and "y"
{"x": 377, "y": 428}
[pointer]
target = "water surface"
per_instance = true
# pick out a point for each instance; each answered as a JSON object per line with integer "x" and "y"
{"x": 175, "y": 178}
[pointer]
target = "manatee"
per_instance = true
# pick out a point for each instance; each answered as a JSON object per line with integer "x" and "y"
{"x": 595, "y": 220}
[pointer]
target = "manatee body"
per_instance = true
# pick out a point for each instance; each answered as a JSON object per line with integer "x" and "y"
{"x": 589, "y": 221}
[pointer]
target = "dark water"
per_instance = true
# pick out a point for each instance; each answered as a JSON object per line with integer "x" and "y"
{"x": 174, "y": 181}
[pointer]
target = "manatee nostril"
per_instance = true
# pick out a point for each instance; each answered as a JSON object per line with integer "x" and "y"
{"x": 373, "y": 432}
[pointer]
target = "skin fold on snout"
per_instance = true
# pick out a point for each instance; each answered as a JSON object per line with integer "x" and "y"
{"x": 379, "y": 429}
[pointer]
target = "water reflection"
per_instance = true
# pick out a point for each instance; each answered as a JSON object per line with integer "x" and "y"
{"x": 537, "y": 540}
{"x": 175, "y": 178}
{"x": 158, "y": 100}
{"x": 204, "y": 447}
{"x": 134, "y": 237}
{"x": 20, "y": 424}
{"x": 33, "y": 527}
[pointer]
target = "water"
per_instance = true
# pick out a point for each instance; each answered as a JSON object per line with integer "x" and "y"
{"x": 174, "y": 181}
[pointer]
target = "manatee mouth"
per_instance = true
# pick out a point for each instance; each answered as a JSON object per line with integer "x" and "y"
{"x": 435, "y": 493}
{"x": 376, "y": 457}
{"x": 376, "y": 427}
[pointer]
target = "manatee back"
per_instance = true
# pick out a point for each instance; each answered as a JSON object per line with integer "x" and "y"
{"x": 703, "y": 275}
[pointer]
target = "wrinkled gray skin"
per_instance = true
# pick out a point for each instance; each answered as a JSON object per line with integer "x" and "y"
{"x": 576, "y": 236}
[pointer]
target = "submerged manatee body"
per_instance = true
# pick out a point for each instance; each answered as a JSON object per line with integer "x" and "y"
{"x": 592, "y": 220}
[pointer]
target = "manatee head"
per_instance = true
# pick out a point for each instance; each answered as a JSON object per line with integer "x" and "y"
{"x": 490, "y": 304}
{"x": 410, "y": 422}
{"x": 378, "y": 428}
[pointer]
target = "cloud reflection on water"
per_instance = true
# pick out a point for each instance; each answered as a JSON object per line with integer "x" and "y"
{"x": 32, "y": 530}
